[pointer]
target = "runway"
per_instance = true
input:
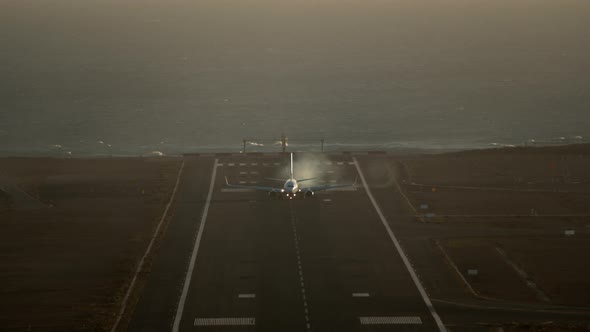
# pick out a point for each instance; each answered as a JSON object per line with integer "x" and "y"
{"x": 239, "y": 260}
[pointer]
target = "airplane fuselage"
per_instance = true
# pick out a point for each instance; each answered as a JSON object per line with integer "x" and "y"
{"x": 291, "y": 187}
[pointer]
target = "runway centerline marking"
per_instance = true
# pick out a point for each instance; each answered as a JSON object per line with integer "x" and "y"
{"x": 300, "y": 270}
{"x": 438, "y": 321}
{"x": 191, "y": 267}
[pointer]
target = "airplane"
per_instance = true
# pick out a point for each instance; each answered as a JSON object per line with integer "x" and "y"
{"x": 291, "y": 188}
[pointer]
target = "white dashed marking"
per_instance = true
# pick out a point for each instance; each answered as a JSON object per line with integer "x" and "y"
{"x": 340, "y": 163}
{"x": 224, "y": 321}
{"x": 231, "y": 164}
{"x": 242, "y": 164}
{"x": 254, "y": 164}
{"x": 390, "y": 320}
{"x": 242, "y": 173}
{"x": 246, "y": 296}
{"x": 219, "y": 165}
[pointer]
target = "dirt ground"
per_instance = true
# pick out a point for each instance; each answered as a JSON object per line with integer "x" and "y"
{"x": 66, "y": 266}
{"x": 505, "y": 213}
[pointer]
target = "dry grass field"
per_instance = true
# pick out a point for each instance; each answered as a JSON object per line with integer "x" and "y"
{"x": 65, "y": 265}
{"x": 505, "y": 213}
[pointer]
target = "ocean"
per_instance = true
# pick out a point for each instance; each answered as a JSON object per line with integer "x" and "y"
{"x": 130, "y": 78}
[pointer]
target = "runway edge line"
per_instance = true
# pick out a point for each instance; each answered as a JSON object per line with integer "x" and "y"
{"x": 147, "y": 251}
{"x": 191, "y": 267}
{"x": 405, "y": 259}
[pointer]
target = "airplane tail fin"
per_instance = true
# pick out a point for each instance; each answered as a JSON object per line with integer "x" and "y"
{"x": 292, "y": 177}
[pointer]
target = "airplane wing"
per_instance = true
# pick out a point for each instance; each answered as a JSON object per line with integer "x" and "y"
{"x": 326, "y": 187}
{"x": 258, "y": 188}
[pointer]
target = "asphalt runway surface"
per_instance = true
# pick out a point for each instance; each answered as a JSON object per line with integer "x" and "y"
{"x": 237, "y": 260}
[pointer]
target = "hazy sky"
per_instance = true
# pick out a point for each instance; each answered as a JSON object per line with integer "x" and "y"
{"x": 66, "y": 66}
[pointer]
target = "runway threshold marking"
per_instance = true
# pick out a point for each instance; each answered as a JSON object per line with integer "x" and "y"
{"x": 149, "y": 248}
{"x": 405, "y": 259}
{"x": 191, "y": 266}
{"x": 238, "y": 321}
{"x": 400, "y": 320}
